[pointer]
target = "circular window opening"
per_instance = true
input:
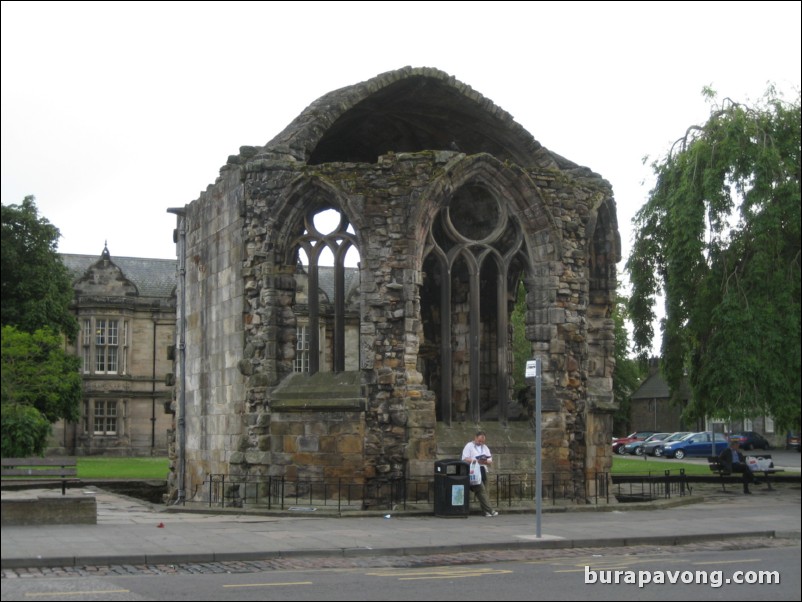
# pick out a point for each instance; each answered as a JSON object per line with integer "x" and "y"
{"x": 474, "y": 212}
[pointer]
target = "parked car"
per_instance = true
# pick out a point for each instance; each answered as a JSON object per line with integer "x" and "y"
{"x": 750, "y": 440}
{"x": 636, "y": 447}
{"x": 792, "y": 441}
{"x": 697, "y": 444}
{"x": 618, "y": 444}
{"x": 655, "y": 448}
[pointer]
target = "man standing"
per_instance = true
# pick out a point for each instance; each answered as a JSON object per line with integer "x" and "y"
{"x": 733, "y": 461}
{"x": 477, "y": 450}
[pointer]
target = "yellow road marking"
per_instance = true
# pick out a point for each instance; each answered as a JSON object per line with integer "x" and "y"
{"x": 605, "y": 567}
{"x": 729, "y": 561}
{"x": 443, "y": 573}
{"x": 269, "y": 584}
{"x": 582, "y": 560}
{"x": 610, "y": 563}
{"x": 85, "y": 593}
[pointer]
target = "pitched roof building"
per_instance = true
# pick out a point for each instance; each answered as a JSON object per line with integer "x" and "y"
{"x": 651, "y": 405}
{"x": 125, "y": 308}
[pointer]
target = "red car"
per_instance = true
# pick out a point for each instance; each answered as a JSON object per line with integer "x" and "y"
{"x": 618, "y": 444}
{"x": 750, "y": 440}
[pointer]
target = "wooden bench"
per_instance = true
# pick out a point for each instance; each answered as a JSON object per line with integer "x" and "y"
{"x": 22, "y": 470}
{"x": 717, "y": 467}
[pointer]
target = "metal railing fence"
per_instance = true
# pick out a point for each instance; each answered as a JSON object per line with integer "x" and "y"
{"x": 281, "y": 493}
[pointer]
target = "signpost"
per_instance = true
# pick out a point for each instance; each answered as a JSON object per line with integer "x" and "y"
{"x": 534, "y": 370}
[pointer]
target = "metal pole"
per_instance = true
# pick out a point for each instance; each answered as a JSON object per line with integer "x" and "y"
{"x": 180, "y": 238}
{"x": 538, "y": 448}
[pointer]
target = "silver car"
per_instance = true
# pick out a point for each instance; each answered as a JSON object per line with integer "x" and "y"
{"x": 655, "y": 448}
{"x": 636, "y": 447}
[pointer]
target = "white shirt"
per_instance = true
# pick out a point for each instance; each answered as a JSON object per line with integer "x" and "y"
{"x": 473, "y": 449}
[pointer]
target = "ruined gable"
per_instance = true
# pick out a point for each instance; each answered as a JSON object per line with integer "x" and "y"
{"x": 450, "y": 205}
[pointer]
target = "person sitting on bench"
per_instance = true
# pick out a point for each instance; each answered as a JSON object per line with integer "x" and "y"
{"x": 733, "y": 460}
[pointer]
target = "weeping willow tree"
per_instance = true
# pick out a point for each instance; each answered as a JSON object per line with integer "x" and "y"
{"x": 719, "y": 239}
{"x": 629, "y": 372}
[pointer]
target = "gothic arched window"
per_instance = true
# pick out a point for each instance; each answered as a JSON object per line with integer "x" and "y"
{"x": 327, "y": 255}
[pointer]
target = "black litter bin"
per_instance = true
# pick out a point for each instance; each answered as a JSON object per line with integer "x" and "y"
{"x": 452, "y": 488}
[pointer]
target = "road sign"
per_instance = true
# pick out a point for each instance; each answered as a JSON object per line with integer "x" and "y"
{"x": 531, "y": 369}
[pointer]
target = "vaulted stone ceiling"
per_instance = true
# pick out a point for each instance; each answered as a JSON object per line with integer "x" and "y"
{"x": 407, "y": 110}
{"x": 412, "y": 115}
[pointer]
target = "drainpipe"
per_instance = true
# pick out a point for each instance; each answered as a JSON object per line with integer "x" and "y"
{"x": 153, "y": 392}
{"x": 181, "y": 413}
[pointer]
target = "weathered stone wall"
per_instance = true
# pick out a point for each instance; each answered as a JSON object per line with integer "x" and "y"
{"x": 213, "y": 306}
{"x": 380, "y": 201}
{"x": 50, "y": 510}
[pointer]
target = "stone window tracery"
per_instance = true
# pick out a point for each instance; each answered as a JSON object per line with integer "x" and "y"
{"x": 473, "y": 262}
{"x": 327, "y": 238}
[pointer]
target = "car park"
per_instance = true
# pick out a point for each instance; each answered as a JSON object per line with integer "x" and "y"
{"x": 750, "y": 440}
{"x": 618, "y": 444}
{"x": 655, "y": 448}
{"x": 636, "y": 447}
{"x": 697, "y": 444}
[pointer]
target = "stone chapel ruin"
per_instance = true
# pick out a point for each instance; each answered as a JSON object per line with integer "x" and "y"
{"x": 367, "y": 347}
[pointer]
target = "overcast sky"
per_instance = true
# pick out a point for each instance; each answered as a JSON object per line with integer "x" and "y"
{"x": 114, "y": 112}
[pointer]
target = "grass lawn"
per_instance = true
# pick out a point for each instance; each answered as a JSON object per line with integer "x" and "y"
{"x": 104, "y": 467}
{"x": 637, "y": 465}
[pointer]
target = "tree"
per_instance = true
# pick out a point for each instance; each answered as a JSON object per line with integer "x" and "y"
{"x": 36, "y": 287}
{"x": 629, "y": 372}
{"x": 732, "y": 290}
{"x": 24, "y": 431}
{"x": 41, "y": 384}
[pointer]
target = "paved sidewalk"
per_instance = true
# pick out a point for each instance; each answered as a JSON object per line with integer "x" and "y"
{"x": 137, "y": 533}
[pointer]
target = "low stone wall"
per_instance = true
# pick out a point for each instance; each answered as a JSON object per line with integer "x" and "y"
{"x": 513, "y": 446}
{"x": 50, "y": 510}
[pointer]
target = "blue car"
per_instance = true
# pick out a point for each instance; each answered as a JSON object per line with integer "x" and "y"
{"x": 655, "y": 448}
{"x": 698, "y": 444}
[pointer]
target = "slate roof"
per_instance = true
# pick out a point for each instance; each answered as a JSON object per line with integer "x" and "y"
{"x": 157, "y": 277}
{"x": 325, "y": 275}
{"x": 655, "y": 387}
{"x": 152, "y": 277}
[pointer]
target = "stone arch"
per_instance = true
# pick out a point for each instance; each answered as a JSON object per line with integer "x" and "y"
{"x": 303, "y": 199}
{"x": 305, "y": 194}
{"x": 604, "y": 242}
{"x": 478, "y": 226}
{"x": 523, "y": 196}
{"x": 406, "y": 110}
{"x": 604, "y": 251}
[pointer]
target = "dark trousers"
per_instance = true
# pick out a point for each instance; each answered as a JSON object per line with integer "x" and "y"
{"x": 484, "y": 500}
{"x": 747, "y": 476}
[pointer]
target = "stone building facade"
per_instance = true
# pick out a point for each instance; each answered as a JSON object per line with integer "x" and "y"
{"x": 450, "y": 205}
{"x": 125, "y": 308}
